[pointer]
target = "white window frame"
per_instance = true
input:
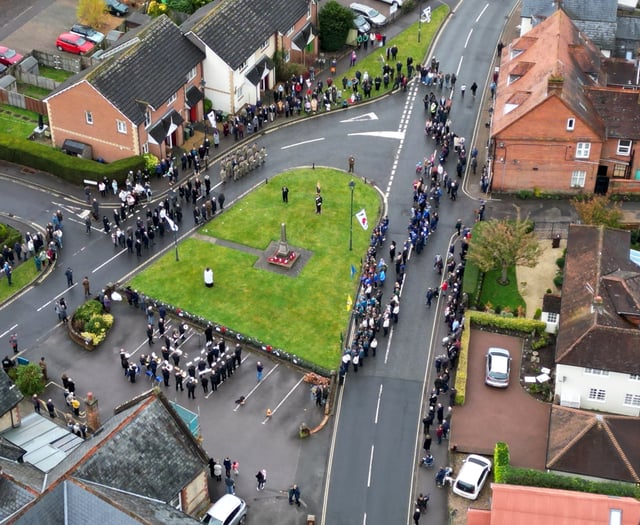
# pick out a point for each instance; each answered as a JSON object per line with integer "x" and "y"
{"x": 598, "y": 395}
{"x": 172, "y": 99}
{"x": 631, "y": 400}
{"x": 513, "y": 78}
{"x": 624, "y": 147}
{"x": 578, "y": 178}
{"x": 571, "y": 124}
{"x": 121, "y": 126}
{"x": 88, "y": 117}
{"x": 634, "y": 377}
{"x": 515, "y": 52}
{"x": 583, "y": 150}
{"x": 145, "y": 148}
{"x": 192, "y": 74}
{"x": 238, "y": 92}
{"x": 290, "y": 32}
{"x": 552, "y": 317}
{"x": 309, "y": 11}
{"x": 596, "y": 372}
{"x": 147, "y": 118}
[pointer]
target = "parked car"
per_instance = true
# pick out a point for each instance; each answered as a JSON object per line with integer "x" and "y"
{"x": 228, "y": 510}
{"x": 472, "y": 476}
{"x": 372, "y": 16}
{"x": 361, "y": 24}
{"x": 498, "y": 367}
{"x": 116, "y": 8}
{"x": 392, "y": 2}
{"x": 9, "y": 56}
{"x": 72, "y": 43}
{"x": 88, "y": 32}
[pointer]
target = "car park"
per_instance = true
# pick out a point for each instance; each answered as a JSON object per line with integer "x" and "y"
{"x": 9, "y": 57}
{"x": 372, "y": 16}
{"x": 472, "y": 476}
{"x": 498, "y": 367}
{"x": 361, "y": 24}
{"x": 88, "y": 33}
{"x": 116, "y": 8}
{"x": 72, "y": 43}
{"x": 228, "y": 510}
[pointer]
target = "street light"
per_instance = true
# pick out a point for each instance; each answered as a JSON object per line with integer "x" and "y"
{"x": 204, "y": 114}
{"x": 352, "y": 185}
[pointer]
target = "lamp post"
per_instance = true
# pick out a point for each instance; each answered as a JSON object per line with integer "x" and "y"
{"x": 204, "y": 114}
{"x": 352, "y": 185}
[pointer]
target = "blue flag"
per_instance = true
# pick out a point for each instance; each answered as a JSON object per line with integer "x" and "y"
{"x": 353, "y": 271}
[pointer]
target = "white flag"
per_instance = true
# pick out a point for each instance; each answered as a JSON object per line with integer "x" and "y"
{"x": 172, "y": 225}
{"x": 362, "y": 219}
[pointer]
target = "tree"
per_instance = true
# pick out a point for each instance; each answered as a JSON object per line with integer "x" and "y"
{"x": 335, "y": 21}
{"x": 598, "y": 210}
{"x": 92, "y": 12}
{"x": 501, "y": 244}
{"x": 29, "y": 379}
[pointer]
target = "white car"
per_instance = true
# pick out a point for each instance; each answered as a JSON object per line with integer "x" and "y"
{"x": 392, "y": 2}
{"x": 498, "y": 367}
{"x": 228, "y": 510}
{"x": 375, "y": 18}
{"x": 472, "y": 476}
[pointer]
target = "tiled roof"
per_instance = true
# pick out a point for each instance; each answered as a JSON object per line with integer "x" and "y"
{"x": 553, "y": 48}
{"x": 10, "y": 395}
{"x": 235, "y": 29}
{"x": 149, "y": 71}
{"x": 12, "y": 497}
{"x": 597, "y": 260}
{"x": 520, "y": 505}
{"x": 149, "y": 453}
{"x": 594, "y": 444}
{"x": 600, "y": 11}
{"x": 618, "y": 109}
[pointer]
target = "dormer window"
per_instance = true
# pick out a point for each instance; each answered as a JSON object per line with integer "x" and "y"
{"x": 515, "y": 52}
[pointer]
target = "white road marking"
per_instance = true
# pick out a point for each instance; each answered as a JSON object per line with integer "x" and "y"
{"x": 370, "y": 466}
{"x": 362, "y": 118}
{"x": 364, "y": 519}
{"x": 378, "y": 407}
{"x": 380, "y": 134}
{"x": 481, "y": 13}
{"x": 9, "y": 330}
{"x": 283, "y": 400}
{"x": 302, "y": 143}
{"x": 466, "y": 43}
{"x": 256, "y": 387}
{"x": 459, "y": 66}
{"x": 108, "y": 261}
{"x": 50, "y": 301}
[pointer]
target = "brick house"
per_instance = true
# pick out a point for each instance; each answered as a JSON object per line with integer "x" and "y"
{"x": 136, "y": 100}
{"x": 597, "y": 348}
{"x": 240, "y": 39}
{"x": 565, "y": 118}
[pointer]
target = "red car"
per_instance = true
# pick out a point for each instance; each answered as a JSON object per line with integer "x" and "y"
{"x": 73, "y": 43}
{"x": 9, "y": 57}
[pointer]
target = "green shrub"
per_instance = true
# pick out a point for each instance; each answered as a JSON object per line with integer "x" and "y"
{"x": 536, "y": 478}
{"x": 92, "y": 322}
{"x": 9, "y": 235}
{"x": 538, "y": 314}
{"x": 558, "y": 280}
{"x": 525, "y": 194}
{"x": 501, "y": 459}
{"x": 560, "y": 262}
{"x": 516, "y": 324}
{"x": 408, "y": 6}
{"x": 29, "y": 379}
{"x": 461, "y": 370}
{"x": 540, "y": 342}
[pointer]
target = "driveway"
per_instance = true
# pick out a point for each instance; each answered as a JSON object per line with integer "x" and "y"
{"x": 490, "y": 414}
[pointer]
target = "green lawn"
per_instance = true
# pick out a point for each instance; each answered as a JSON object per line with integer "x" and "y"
{"x": 55, "y": 74}
{"x": 33, "y": 91}
{"x": 13, "y": 125}
{"x": 303, "y": 315}
{"x": 23, "y": 274}
{"x": 500, "y": 296}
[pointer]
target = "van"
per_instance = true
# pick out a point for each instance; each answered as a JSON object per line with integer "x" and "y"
{"x": 228, "y": 510}
{"x": 375, "y": 18}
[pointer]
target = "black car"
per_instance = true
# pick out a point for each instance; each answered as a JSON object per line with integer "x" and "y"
{"x": 116, "y": 8}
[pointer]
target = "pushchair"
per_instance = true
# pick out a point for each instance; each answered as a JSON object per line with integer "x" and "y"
{"x": 427, "y": 461}
{"x": 442, "y": 476}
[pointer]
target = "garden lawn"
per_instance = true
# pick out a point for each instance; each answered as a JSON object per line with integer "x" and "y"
{"x": 13, "y": 125}
{"x": 500, "y": 296}
{"x": 303, "y": 314}
{"x": 22, "y": 275}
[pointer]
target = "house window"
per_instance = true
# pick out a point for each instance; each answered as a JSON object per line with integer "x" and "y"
{"x": 122, "y": 126}
{"x": 145, "y": 148}
{"x": 147, "y": 118}
{"x": 597, "y": 394}
{"x": 242, "y": 66}
{"x": 513, "y": 78}
{"x": 88, "y": 116}
{"x": 172, "y": 99}
{"x": 578, "y": 178}
{"x": 287, "y": 55}
{"x": 624, "y": 148}
{"x": 290, "y": 32}
{"x": 582, "y": 150}
{"x": 571, "y": 124}
{"x": 632, "y": 400}
{"x": 309, "y": 11}
{"x": 620, "y": 171}
{"x": 192, "y": 74}
{"x": 634, "y": 377}
{"x": 615, "y": 517}
{"x": 265, "y": 44}
{"x": 596, "y": 372}
{"x": 515, "y": 53}
{"x": 552, "y": 317}
{"x": 238, "y": 92}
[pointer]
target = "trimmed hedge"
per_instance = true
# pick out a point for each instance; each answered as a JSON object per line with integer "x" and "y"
{"x": 461, "y": 370}
{"x": 9, "y": 235}
{"x": 515, "y": 324}
{"x": 54, "y": 161}
{"x": 472, "y": 282}
{"x": 501, "y": 459}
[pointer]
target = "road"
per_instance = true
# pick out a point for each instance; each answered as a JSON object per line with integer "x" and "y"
{"x": 371, "y": 471}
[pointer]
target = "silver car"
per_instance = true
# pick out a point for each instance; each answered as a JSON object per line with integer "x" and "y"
{"x": 372, "y": 16}
{"x": 498, "y": 367}
{"x": 361, "y": 24}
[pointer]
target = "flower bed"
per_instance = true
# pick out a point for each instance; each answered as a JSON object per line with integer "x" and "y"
{"x": 90, "y": 324}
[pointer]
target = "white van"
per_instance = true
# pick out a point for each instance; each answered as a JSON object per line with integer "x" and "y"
{"x": 228, "y": 510}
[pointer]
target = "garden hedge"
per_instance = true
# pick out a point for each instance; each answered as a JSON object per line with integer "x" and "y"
{"x": 514, "y": 324}
{"x": 501, "y": 459}
{"x": 67, "y": 167}
{"x": 461, "y": 370}
{"x": 472, "y": 282}
{"x": 9, "y": 235}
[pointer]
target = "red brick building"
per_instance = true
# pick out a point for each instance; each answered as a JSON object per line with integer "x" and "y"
{"x": 562, "y": 123}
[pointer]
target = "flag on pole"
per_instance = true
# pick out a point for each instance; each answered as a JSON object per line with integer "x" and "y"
{"x": 172, "y": 225}
{"x": 353, "y": 271}
{"x": 362, "y": 219}
{"x": 349, "y": 303}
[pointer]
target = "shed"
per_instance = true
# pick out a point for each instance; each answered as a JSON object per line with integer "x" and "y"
{"x": 77, "y": 149}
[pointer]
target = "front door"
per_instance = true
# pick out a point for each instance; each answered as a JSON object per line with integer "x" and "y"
{"x": 602, "y": 181}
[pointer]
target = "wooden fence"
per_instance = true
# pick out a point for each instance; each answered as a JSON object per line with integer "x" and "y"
{"x": 18, "y": 100}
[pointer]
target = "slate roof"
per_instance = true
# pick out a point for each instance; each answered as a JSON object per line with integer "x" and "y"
{"x": 551, "y": 303}
{"x": 13, "y": 497}
{"x": 235, "y": 29}
{"x": 537, "y": 8}
{"x": 150, "y": 453}
{"x": 594, "y": 444}
{"x": 10, "y": 395}
{"x": 146, "y": 72}
{"x": 599, "y": 11}
{"x": 618, "y": 109}
{"x": 601, "y": 338}
{"x": 628, "y": 28}
{"x": 553, "y": 48}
